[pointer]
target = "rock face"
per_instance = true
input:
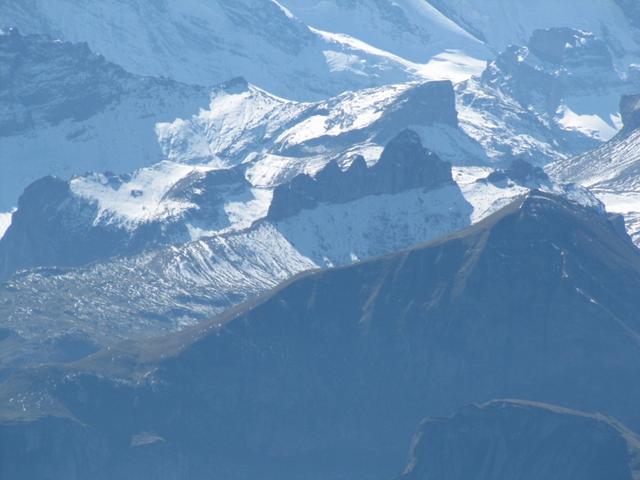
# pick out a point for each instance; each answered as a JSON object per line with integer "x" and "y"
{"x": 205, "y": 43}
{"x": 404, "y": 165}
{"x": 273, "y": 131}
{"x": 631, "y": 10}
{"x": 554, "y": 96}
{"x": 520, "y": 172}
{"x": 425, "y": 104}
{"x": 64, "y": 110}
{"x": 43, "y": 233}
{"x": 67, "y": 450}
{"x": 327, "y": 376}
{"x": 505, "y": 439}
{"x": 630, "y": 112}
{"x": 55, "y": 226}
{"x": 555, "y": 64}
{"x": 611, "y": 171}
{"x": 52, "y": 226}
{"x": 571, "y": 48}
{"x": 34, "y": 72}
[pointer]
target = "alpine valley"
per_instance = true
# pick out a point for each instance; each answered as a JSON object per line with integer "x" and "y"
{"x": 336, "y": 239}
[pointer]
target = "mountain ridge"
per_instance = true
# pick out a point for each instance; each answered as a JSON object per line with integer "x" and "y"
{"x": 328, "y": 335}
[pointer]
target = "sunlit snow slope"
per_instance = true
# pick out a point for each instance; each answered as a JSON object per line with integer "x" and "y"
{"x": 412, "y": 29}
{"x": 207, "y": 42}
{"x": 501, "y": 23}
{"x": 612, "y": 172}
{"x": 65, "y": 111}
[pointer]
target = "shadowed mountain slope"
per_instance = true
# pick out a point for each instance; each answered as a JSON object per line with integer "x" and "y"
{"x": 507, "y": 439}
{"x": 327, "y": 376}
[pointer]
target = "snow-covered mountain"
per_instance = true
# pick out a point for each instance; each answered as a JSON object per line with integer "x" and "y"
{"x": 223, "y": 164}
{"x": 612, "y": 164}
{"x": 278, "y": 138}
{"x": 612, "y": 171}
{"x": 500, "y": 23}
{"x": 555, "y": 97}
{"x": 65, "y": 111}
{"x": 308, "y": 48}
{"x": 127, "y": 121}
{"x": 335, "y": 218}
{"x": 411, "y": 29}
{"x": 208, "y": 42}
{"x": 264, "y": 238}
{"x": 173, "y": 287}
{"x": 203, "y": 230}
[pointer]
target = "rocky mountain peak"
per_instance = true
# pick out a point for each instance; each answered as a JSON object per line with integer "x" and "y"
{"x": 521, "y": 172}
{"x": 46, "y": 81}
{"x": 404, "y": 164}
{"x": 570, "y": 47}
{"x": 630, "y": 112}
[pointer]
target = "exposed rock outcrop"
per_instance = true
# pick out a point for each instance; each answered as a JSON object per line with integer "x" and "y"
{"x": 404, "y": 164}
{"x": 507, "y": 439}
{"x": 520, "y": 172}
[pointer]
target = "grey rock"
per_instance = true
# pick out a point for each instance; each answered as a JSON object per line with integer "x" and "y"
{"x": 630, "y": 112}
{"x": 327, "y": 376}
{"x": 520, "y": 172}
{"x": 65, "y": 110}
{"x": 528, "y": 87}
{"x": 55, "y": 227}
{"x": 508, "y": 439}
{"x": 571, "y": 48}
{"x": 404, "y": 164}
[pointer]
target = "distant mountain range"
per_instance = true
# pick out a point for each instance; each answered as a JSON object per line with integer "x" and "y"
{"x": 555, "y": 98}
{"x": 65, "y": 111}
{"x": 280, "y": 239}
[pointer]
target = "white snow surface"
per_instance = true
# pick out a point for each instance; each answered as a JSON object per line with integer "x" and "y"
{"x": 207, "y": 42}
{"x": 138, "y": 200}
{"x": 119, "y": 139}
{"x": 612, "y": 173}
{"x": 613, "y": 166}
{"x": 412, "y": 29}
{"x": 501, "y": 23}
{"x": 141, "y": 199}
{"x": 596, "y": 115}
{"x": 277, "y": 139}
{"x": 280, "y": 138}
{"x": 5, "y": 222}
{"x": 502, "y": 125}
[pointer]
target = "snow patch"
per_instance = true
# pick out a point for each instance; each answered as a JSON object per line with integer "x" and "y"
{"x": 590, "y": 124}
{"x": 139, "y": 199}
{"x": 5, "y": 222}
{"x": 452, "y": 65}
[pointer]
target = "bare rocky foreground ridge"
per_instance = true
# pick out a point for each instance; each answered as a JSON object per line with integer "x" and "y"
{"x": 329, "y": 375}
